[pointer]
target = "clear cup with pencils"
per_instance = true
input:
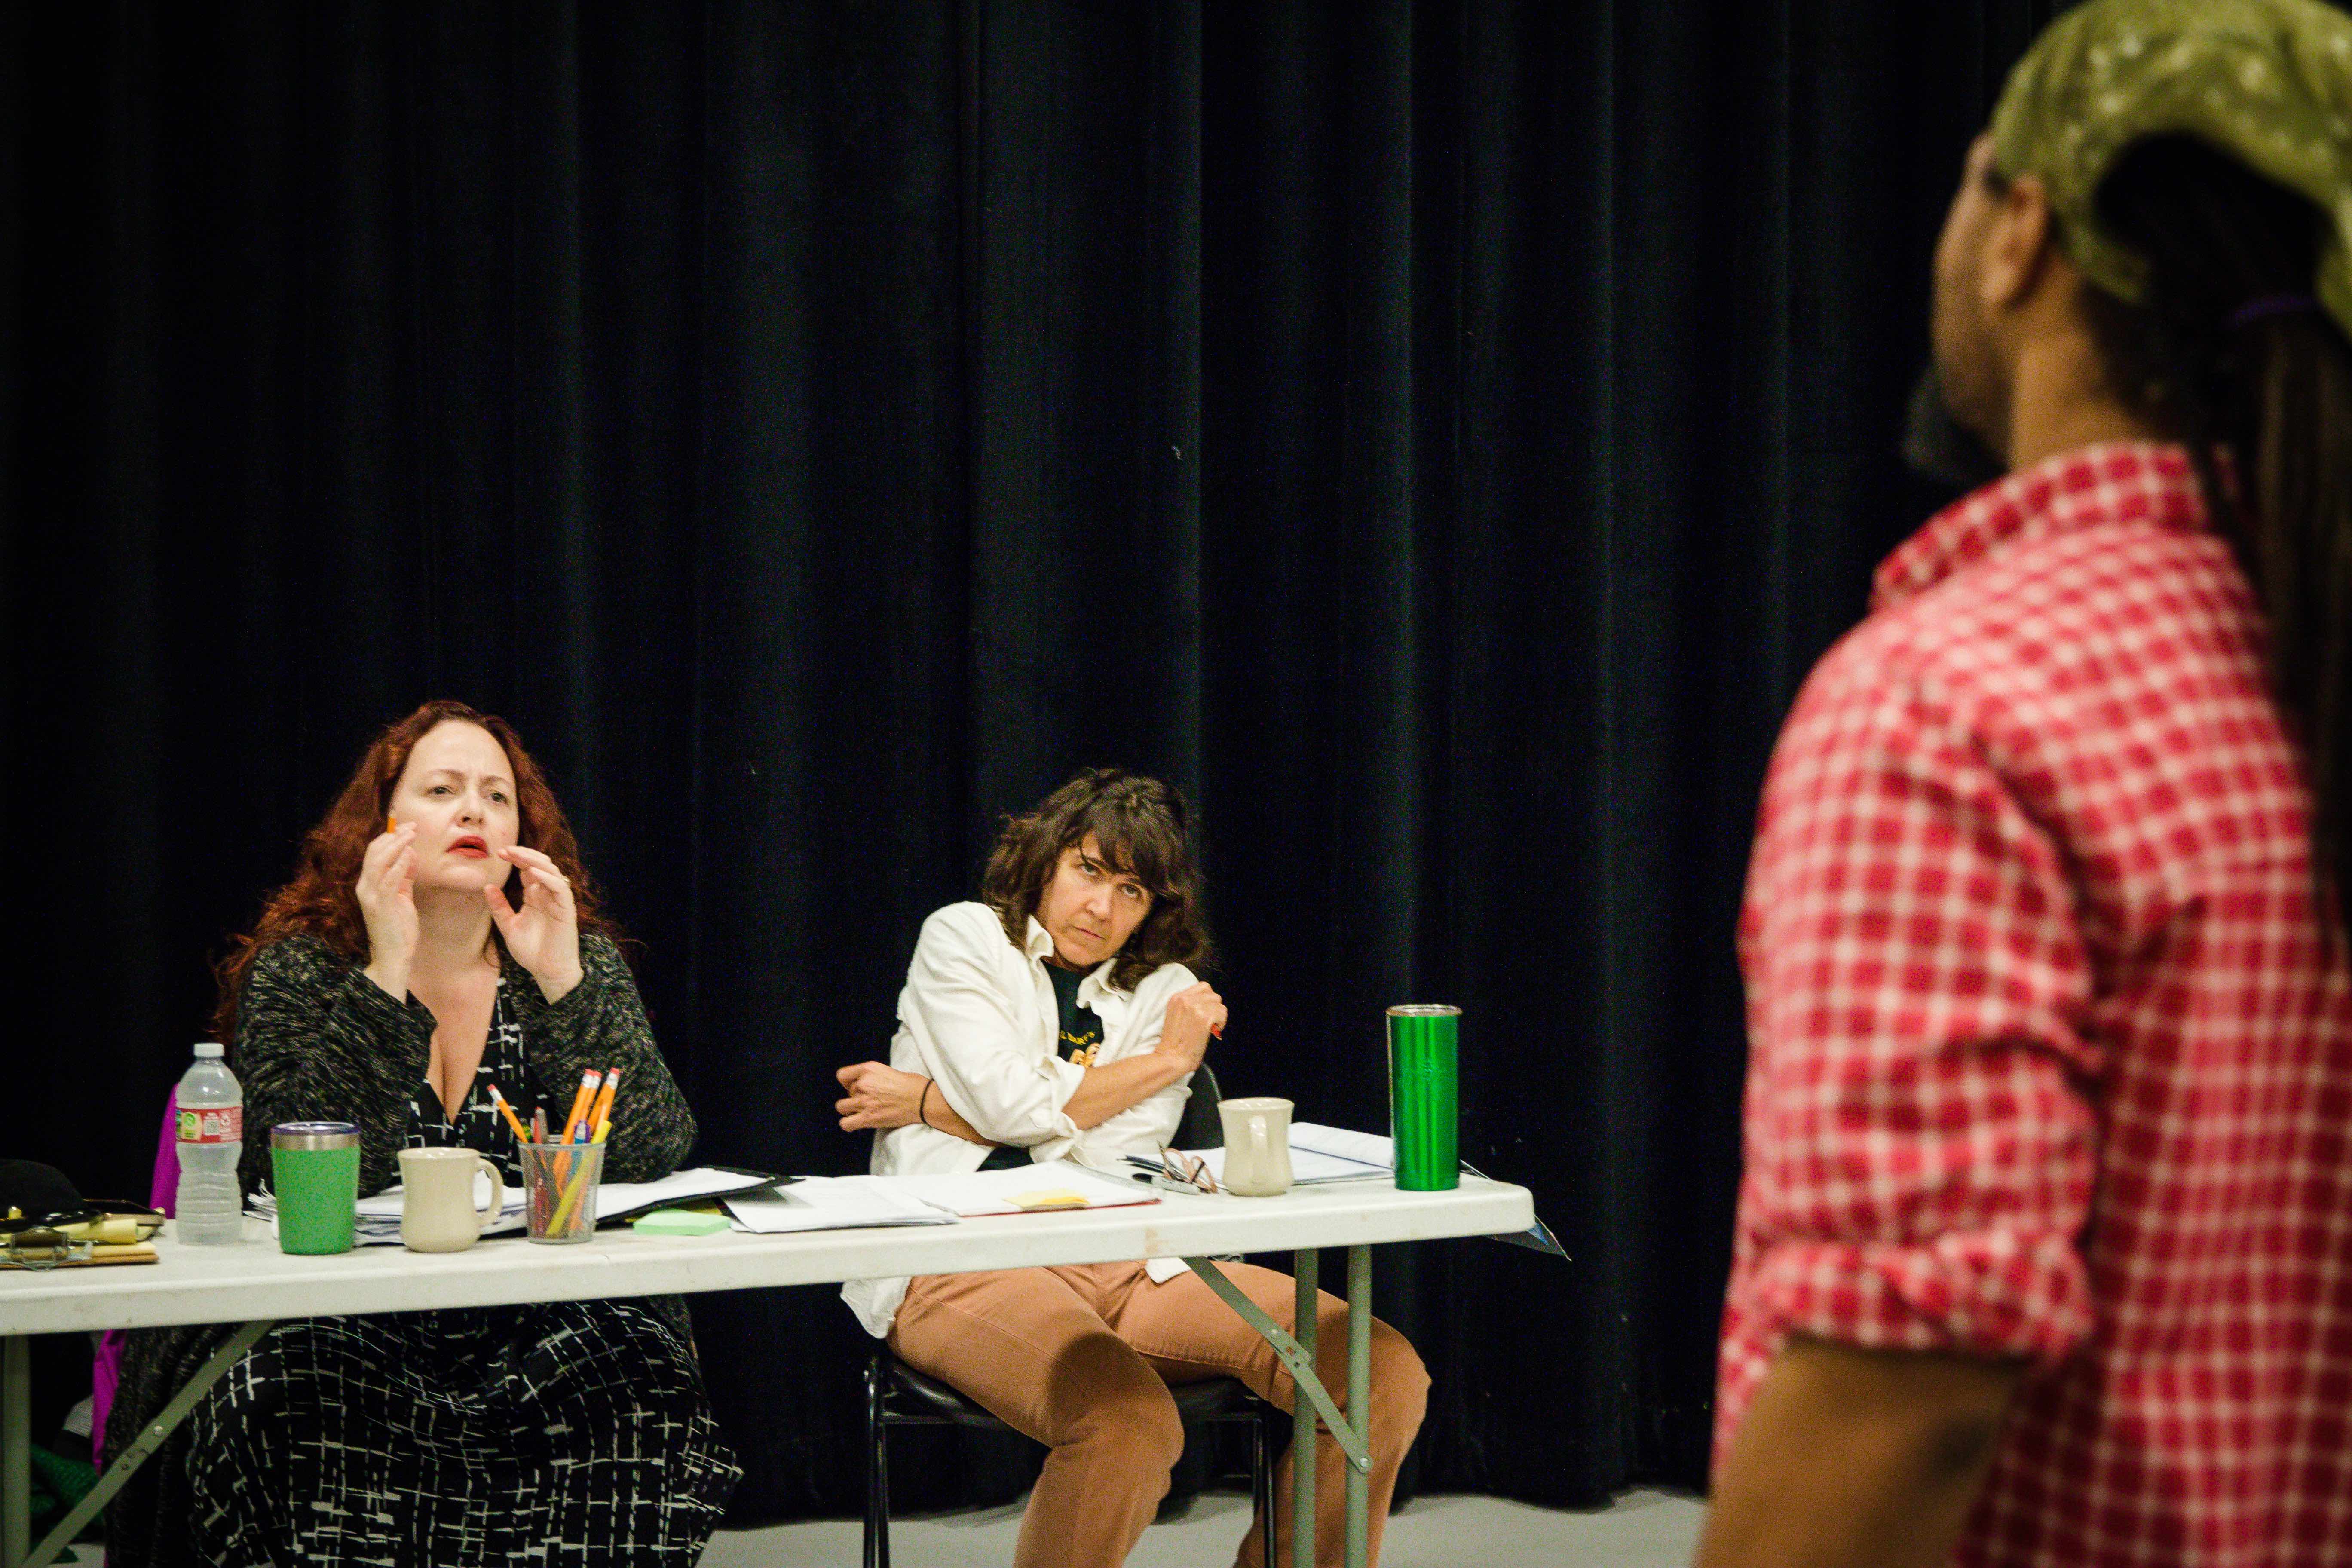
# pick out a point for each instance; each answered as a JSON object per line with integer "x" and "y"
{"x": 560, "y": 1176}
{"x": 560, "y": 1187}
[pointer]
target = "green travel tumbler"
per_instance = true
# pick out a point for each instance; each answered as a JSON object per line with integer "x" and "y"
{"x": 1424, "y": 1105}
{"x": 314, "y": 1169}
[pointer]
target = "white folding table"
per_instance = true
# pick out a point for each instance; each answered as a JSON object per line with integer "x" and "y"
{"x": 253, "y": 1284}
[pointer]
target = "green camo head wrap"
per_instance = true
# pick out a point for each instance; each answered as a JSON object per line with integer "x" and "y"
{"x": 2269, "y": 82}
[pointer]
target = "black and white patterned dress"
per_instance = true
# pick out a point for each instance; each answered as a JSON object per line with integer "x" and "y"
{"x": 573, "y": 1432}
{"x": 478, "y": 1124}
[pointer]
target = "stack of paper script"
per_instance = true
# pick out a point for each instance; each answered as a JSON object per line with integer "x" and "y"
{"x": 842, "y": 1203}
{"x": 830, "y": 1203}
{"x": 1318, "y": 1154}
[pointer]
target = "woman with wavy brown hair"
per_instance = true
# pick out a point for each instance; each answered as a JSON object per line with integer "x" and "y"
{"x": 1060, "y": 1017}
{"x": 440, "y": 938}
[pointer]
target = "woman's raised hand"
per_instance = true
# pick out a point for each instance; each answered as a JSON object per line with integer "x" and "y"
{"x": 544, "y": 934}
{"x": 386, "y": 890}
{"x": 879, "y": 1096}
{"x": 1193, "y": 1015}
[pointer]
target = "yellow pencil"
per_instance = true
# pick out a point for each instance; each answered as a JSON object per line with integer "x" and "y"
{"x": 573, "y": 1186}
{"x": 563, "y": 1209}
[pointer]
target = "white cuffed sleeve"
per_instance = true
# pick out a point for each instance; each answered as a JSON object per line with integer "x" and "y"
{"x": 968, "y": 1035}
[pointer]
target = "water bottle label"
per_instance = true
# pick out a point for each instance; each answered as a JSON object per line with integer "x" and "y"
{"x": 223, "y": 1126}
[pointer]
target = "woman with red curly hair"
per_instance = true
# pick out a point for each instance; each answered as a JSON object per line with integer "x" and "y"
{"x": 440, "y": 936}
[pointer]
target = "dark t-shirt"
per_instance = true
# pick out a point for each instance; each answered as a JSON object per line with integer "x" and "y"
{"x": 1080, "y": 1036}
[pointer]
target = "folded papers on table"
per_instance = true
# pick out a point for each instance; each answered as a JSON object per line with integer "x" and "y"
{"x": 830, "y": 1203}
{"x": 845, "y": 1203}
{"x": 1021, "y": 1189}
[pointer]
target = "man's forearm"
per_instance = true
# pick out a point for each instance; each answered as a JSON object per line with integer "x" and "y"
{"x": 1857, "y": 1457}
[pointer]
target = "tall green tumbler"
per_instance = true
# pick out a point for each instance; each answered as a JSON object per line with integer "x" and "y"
{"x": 1425, "y": 1096}
{"x": 315, "y": 1171}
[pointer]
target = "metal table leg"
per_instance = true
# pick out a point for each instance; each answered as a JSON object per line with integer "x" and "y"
{"x": 15, "y": 1448}
{"x": 166, "y": 1421}
{"x": 1307, "y": 1318}
{"x": 1296, "y": 1353}
{"x": 1360, "y": 1396}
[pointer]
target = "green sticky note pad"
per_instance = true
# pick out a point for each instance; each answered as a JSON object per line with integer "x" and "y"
{"x": 679, "y": 1222}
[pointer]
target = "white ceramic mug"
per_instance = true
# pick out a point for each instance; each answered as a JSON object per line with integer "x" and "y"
{"x": 436, "y": 1199}
{"x": 1257, "y": 1147}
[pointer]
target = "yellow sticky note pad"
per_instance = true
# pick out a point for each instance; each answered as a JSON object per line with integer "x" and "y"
{"x": 1062, "y": 1199}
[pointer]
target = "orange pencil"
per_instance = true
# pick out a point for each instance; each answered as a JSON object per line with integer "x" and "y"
{"x": 507, "y": 1111}
{"x": 391, "y": 823}
{"x": 603, "y": 1114}
{"x": 600, "y": 1118}
{"x": 589, "y": 1079}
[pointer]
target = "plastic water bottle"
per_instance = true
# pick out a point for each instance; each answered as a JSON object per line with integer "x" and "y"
{"x": 209, "y": 1211}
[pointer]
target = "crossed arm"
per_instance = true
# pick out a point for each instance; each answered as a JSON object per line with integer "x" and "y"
{"x": 879, "y": 1096}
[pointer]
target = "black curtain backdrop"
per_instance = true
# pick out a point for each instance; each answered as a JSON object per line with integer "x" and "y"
{"x": 1438, "y": 436}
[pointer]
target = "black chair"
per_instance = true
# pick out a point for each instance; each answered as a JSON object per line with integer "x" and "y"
{"x": 899, "y": 1395}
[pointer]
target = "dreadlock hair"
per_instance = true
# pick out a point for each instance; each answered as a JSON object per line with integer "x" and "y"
{"x": 2270, "y": 389}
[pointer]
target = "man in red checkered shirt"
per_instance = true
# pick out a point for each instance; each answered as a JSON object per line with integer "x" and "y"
{"x": 2044, "y": 1248}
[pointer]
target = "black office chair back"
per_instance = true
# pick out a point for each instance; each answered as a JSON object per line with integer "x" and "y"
{"x": 1201, "y": 1126}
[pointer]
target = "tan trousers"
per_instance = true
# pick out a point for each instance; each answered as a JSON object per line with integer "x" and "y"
{"x": 1079, "y": 1359}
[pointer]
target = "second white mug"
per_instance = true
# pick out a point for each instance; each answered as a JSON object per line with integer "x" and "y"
{"x": 1257, "y": 1146}
{"x": 436, "y": 1199}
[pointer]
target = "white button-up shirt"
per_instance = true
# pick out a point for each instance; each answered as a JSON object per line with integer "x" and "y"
{"x": 979, "y": 1019}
